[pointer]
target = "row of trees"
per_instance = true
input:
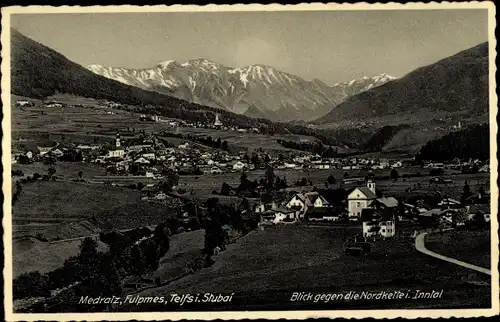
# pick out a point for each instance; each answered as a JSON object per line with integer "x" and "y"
{"x": 208, "y": 140}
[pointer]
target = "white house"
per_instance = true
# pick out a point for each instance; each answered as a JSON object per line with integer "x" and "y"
{"x": 23, "y": 103}
{"x": 360, "y": 198}
{"x": 142, "y": 161}
{"x": 280, "y": 215}
{"x": 119, "y": 153}
{"x": 239, "y": 165}
{"x": 397, "y": 164}
{"x": 304, "y": 201}
{"x": 378, "y": 222}
{"x": 259, "y": 208}
{"x": 149, "y": 156}
{"x": 321, "y": 165}
{"x": 161, "y": 196}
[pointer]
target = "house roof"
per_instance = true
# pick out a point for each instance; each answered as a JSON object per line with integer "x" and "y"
{"x": 367, "y": 192}
{"x": 150, "y": 187}
{"x": 434, "y": 212}
{"x": 312, "y": 196}
{"x": 449, "y": 201}
{"x": 369, "y": 214}
{"x": 389, "y": 202}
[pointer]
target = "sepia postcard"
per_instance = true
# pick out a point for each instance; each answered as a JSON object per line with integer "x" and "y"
{"x": 249, "y": 161}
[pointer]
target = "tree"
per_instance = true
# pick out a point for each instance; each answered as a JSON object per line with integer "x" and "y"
{"x": 88, "y": 258}
{"x": 478, "y": 221}
{"x": 331, "y": 180}
{"x": 225, "y": 190}
{"x": 31, "y": 284}
{"x": 394, "y": 174}
{"x": 459, "y": 217}
{"x": 482, "y": 192}
{"x": 269, "y": 175}
{"x": 267, "y": 159}
{"x": 225, "y": 146}
{"x": 80, "y": 174}
{"x": 51, "y": 171}
{"x": 466, "y": 192}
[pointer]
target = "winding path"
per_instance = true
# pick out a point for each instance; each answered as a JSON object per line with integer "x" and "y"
{"x": 420, "y": 246}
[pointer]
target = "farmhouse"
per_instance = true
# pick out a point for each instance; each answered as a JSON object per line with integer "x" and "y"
{"x": 325, "y": 213}
{"x": 301, "y": 202}
{"x": 24, "y": 103}
{"x": 360, "y": 198}
{"x": 384, "y": 202}
{"x": 280, "y": 215}
{"x": 118, "y": 153}
{"x": 239, "y": 165}
{"x": 378, "y": 222}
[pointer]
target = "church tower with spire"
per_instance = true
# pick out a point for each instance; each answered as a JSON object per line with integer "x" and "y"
{"x": 117, "y": 141}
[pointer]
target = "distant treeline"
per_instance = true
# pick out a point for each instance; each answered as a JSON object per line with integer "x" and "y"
{"x": 313, "y": 147}
{"x": 208, "y": 141}
{"x": 472, "y": 142}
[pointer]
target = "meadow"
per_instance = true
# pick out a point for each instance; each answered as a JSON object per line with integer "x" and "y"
{"x": 60, "y": 209}
{"x": 205, "y": 184}
{"x": 472, "y": 247}
{"x": 92, "y": 124}
{"x": 31, "y": 254}
{"x": 264, "y": 268}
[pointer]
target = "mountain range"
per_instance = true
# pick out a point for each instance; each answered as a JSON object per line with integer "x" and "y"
{"x": 454, "y": 87}
{"x": 402, "y": 113}
{"x": 258, "y": 91}
{"x": 38, "y": 71}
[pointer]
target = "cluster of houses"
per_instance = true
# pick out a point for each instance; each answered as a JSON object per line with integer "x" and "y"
{"x": 377, "y": 214}
{"x": 218, "y": 124}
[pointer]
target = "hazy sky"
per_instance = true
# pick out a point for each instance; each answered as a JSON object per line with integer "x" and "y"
{"x": 333, "y": 46}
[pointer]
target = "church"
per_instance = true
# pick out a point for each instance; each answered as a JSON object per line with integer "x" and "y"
{"x": 117, "y": 151}
{"x": 360, "y": 198}
{"x": 366, "y": 197}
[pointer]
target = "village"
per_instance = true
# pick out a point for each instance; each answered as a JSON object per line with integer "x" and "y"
{"x": 185, "y": 177}
{"x": 148, "y": 160}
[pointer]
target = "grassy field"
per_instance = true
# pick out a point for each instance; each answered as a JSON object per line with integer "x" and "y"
{"x": 30, "y": 254}
{"x": 266, "y": 267}
{"x": 248, "y": 141}
{"x": 97, "y": 125}
{"x": 184, "y": 249}
{"x": 45, "y": 205}
{"x": 419, "y": 185}
{"x": 68, "y": 170}
{"x": 473, "y": 247}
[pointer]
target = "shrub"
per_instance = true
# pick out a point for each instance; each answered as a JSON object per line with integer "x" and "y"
{"x": 31, "y": 284}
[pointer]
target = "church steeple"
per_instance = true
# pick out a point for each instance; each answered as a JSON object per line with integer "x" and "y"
{"x": 118, "y": 142}
{"x": 370, "y": 184}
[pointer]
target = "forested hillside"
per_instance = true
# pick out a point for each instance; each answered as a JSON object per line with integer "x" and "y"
{"x": 472, "y": 142}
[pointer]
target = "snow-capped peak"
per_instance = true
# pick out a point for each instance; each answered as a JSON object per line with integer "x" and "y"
{"x": 165, "y": 64}
{"x": 95, "y": 67}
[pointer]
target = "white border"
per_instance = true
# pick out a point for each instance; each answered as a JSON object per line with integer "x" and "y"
{"x": 6, "y": 160}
